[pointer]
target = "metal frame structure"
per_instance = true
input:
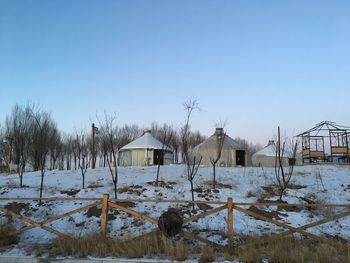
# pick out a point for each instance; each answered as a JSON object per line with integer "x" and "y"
{"x": 313, "y": 143}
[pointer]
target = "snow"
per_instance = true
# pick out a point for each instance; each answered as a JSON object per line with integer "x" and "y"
{"x": 269, "y": 150}
{"x": 328, "y": 184}
{"x": 146, "y": 141}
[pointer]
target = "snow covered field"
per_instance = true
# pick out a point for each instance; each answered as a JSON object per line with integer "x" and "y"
{"x": 243, "y": 184}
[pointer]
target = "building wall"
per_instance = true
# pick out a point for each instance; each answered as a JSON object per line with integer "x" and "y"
{"x": 125, "y": 158}
{"x": 228, "y": 156}
{"x": 267, "y": 161}
{"x": 141, "y": 157}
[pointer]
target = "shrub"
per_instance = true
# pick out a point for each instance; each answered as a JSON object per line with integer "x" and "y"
{"x": 5, "y": 238}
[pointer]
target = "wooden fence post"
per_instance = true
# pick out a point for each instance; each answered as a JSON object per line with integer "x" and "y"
{"x": 104, "y": 214}
{"x": 230, "y": 225}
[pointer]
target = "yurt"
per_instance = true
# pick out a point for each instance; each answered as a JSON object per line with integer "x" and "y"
{"x": 266, "y": 157}
{"x": 232, "y": 154}
{"x": 145, "y": 150}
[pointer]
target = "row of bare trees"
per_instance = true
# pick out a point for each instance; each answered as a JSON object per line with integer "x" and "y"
{"x": 30, "y": 140}
{"x": 30, "y": 136}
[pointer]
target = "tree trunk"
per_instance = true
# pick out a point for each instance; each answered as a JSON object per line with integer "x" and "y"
{"x": 42, "y": 182}
{"x": 214, "y": 175}
{"x": 54, "y": 162}
{"x": 115, "y": 189}
{"x": 157, "y": 178}
{"x": 21, "y": 180}
{"x": 192, "y": 192}
{"x": 20, "y": 173}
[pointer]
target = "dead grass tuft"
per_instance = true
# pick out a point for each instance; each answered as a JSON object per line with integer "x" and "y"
{"x": 325, "y": 211}
{"x": 70, "y": 192}
{"x": 17, "y": 207}
{"x": 94, "y": 185}
{"x": 5, "y": 239}
{"x": 251, "y": 194}
{"x": 289, "y": 249}
{"x": 207, "y": 255}
{"x": 154, "y": 245}
{"x": 247, "y": 249}
{"x": 270, "y": 191}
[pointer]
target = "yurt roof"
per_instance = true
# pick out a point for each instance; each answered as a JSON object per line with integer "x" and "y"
{"x": 146, "y": 141}
{"x": 211, "y": 142}
{"x": 268, "y": 150}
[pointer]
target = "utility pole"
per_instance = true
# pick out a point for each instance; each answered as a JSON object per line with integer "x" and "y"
{"x": 94, "y": 131}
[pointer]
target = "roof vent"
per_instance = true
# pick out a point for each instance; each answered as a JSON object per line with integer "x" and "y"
{"x": 219, "y": 131}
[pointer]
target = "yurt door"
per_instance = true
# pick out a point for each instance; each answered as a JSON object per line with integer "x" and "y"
{"x": 158, "y": 157}
{"x": 240, "y": 158}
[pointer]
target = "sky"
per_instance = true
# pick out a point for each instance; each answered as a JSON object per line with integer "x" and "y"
{"x": 255, "y": 65}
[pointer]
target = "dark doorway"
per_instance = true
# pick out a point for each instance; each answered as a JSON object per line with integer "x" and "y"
{"x": 158, "y": 157}
{"x": 240, "y": 158}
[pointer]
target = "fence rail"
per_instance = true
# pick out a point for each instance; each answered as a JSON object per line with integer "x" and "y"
{"x": 169, "y": 201}
{"x": 108, "y": 204}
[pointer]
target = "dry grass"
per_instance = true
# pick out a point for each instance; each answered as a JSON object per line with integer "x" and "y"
{"x": 289, "y": 249}
{"x": 248, "y": 249}
{"x": 207, "y": 255}
{"x": 154, "y": 245}
{"x": 325, "y": 211}
{"x": 5, "y": 238}
{"x": 251, "y": 194}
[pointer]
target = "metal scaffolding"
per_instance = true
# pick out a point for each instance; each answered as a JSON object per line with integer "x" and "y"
{"x": 314, "y": 148}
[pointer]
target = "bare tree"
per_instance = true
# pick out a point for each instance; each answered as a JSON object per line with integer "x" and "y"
{"x": 128, "y": 133}
{"x": 74, "y": 152}
{"x": 84, "y": 157}
{"x": 192, "y": 163}
{"x": 110, "y": 138}
{"x": 18, "y": 127}
{"x": 44, "y": 130}
{"x": 165, "y": 135}
{"x": 4, "y": 148}
{"x": 196, "y": 138}
{"x": 69, "y": 149}
{"x": 282, "y": 177}
{"x": 55, "y": 148}
{"x": 219, "y": 143}
{"x": 2, "y": 151}
{"x": 175, "y": 144}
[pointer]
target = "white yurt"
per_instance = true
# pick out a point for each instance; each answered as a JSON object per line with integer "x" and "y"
{"x": 266, "y": 157}
{"x": 145, "y": 150}
{"x": 233, "y": 154}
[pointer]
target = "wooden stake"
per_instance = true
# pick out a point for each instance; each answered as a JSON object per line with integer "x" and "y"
{"x": 104, "y": 214}
{"x": 206, "y": 213}
{"x": 29, "y": 221}
{"x": 293, "y": 229}
{"x": 317, "y": 223}
{"x": 19, "y": 231}
{"x": 133, "y": 213}
{"x": 192, "y": 236}
{"x": 230, "y": 225}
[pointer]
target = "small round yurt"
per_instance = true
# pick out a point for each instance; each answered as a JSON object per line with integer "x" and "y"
{"x": 232, "y": 154}
{"x": 266, "y": 157}
{"x": 145, "y": 150}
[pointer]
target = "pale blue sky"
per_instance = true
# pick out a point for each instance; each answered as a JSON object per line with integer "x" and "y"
{"x": 256, "y": 64}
